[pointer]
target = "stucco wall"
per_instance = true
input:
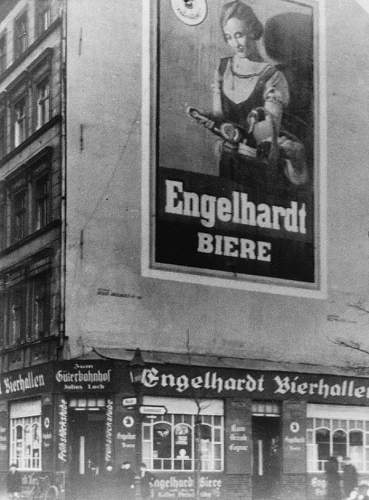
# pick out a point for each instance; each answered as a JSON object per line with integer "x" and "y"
{"x": 103, "y": 205}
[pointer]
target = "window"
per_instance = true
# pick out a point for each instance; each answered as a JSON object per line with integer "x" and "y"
{"x": 340, "y": 432}
{"x": 3, "y": 134}
{"x": 3, "y": 53}
{"x": 19, "y": 215}
{"x": 25, "y": 201}
{"x": 25, "y": 435}
{"x": 169, "y": 441}
{"x": 16, "y": 314}
{"x": 25, "y": 306}
{"x": 20, "y": 35}
{"x": 43, "y": 16}
{"x": 43, "y": 103}
{"x": 41, "y": 197}
{"x": 3, "y": 227}
{"x": 20, "y": 121}
{"x": 39, "y": 294}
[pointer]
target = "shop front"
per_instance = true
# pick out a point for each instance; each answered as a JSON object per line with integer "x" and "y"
{"x": 202, "y": 432}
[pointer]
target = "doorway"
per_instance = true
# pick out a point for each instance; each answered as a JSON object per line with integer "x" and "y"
{"x": 87, "y": 436}
{"x": 266, "y": 435}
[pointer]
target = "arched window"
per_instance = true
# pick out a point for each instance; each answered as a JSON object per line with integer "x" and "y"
{"x": 322, "y": 440}
{"x": 339, "y": 443}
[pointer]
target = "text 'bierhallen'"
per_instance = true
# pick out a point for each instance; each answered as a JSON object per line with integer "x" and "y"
{"x": 254, "y": 383}
{"x": 237, "y": 209}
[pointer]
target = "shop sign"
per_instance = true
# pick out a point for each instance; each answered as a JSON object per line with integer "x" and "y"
{"x": 24, "y": 382}
{"x": 152, "y": 410}
{"x": 234, "y": 198}
{"x": 3, "y": 438}
{"x": 183, "y": 486}
{"x": 199, "y": 381}
{"x": 294, "y": 437}
{"x": 109, "y": 431}
{"x": 62, "y": 412}
{"x": 84, "y": 376}
{"x": 238, "y": 436}
{"x": 4, "y": 458}
{"x": 125, "y": 434}
{"x": 47, "y": 431}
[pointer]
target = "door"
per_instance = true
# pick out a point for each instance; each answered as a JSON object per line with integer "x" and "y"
{"x": 87, "y": 454}
{"x": 266, "y": 435}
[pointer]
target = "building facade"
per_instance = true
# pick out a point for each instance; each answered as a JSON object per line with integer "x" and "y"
{"x": 31, "y": 173}
{"x": 249, "y": 384}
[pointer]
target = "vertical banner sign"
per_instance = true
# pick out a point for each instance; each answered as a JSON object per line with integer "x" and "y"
{"x": 62, "y": 433}
{"x": 125, "y": 433}
{"x": 47, "y": 430}
{"x": 233, "y": 148}
{"x": 238, "y": 450}
{"x": 109, "y": 430}
{"x": 294, "y": 437}
{"x": 4, "y": 460}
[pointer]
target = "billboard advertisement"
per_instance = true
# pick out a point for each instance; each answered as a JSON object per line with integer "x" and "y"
{"x": 233, "y": 156}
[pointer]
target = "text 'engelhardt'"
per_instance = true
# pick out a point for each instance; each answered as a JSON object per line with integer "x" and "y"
{"x": 237, "y": 210}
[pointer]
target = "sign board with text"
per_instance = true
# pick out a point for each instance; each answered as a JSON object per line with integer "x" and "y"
{"x": 84, "y": 376}
{"x": 294, "y": 437}
{"x": 238, "y": 436}
{"x": 234, "y": 159}
{"x": 196, "y": 381}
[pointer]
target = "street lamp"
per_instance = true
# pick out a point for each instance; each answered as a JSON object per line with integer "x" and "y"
{"x": 136, "y": 369}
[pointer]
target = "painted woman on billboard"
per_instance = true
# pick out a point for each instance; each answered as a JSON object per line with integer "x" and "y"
{"x": 250, "y": 96}
{"x": 234, "y": 144}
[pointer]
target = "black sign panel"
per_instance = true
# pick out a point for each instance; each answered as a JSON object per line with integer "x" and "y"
{"x": 84, "y": 376}
{"x": 222, "y": 382}
{"x": 207, "y": 224}
{"x": 294, "y": 437}
{"x": 33, "y": 380}
{"x": 238, "y": 436}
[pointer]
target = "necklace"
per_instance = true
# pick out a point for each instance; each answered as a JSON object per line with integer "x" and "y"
{"x": 243, "y": 75}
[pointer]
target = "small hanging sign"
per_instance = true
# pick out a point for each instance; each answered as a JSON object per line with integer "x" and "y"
{"x": 191, "y": 12}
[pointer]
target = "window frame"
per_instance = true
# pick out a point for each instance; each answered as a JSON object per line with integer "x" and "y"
{"x": 43, "y": 280}
{"x": 21, "y": 39}
{"x": 193, "y": 421}
{"x": 22, "y": 291}
{"x": 19, "y": 213}
{"x": 43, "y": 7}
{"x": 21, "y": 450}
{"x": 16, "y": 295}
{"x": 42, "y": 200}
{"x": 3, "y": 51}
{"x": 42, "y": 105}
{"x": 3, "y": 132}
{"x": 20, "y": 126}
{"x": 27, "y": 180}
{"x": 336, "y": 421}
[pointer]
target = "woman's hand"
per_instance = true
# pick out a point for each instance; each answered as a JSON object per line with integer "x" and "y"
{"x": 294, "y": 154}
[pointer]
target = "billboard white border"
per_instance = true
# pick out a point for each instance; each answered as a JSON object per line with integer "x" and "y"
{"x": 247, "y": 283}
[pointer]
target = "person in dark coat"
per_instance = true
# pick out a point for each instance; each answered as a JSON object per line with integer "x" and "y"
{"x": 349, "y": 476}
{"x": 333, "y": 479}
{"x": 146, "y": 481}
{"x": 126, "y": 481}
{"x": 13, "y": 482}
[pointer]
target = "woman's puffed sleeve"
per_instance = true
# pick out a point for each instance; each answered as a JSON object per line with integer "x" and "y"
{"x": 216, "y": 91}
{"x": 276, "y": 88}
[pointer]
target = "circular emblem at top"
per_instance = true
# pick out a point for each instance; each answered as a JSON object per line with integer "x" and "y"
{"x": 191, "y": 12}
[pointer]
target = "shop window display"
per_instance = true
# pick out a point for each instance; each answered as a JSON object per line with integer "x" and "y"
{"x": 25, "y": 438}
{"x": 169, "y": 441}
{"x": 339, "y": 437}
